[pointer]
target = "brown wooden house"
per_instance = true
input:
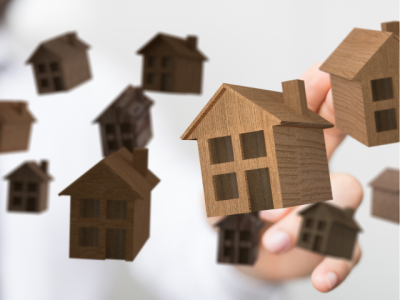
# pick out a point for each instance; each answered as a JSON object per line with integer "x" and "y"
{"x": 328, "y": 230}
{"x": 126, "y": 121}
{"x": 110, "y": 207}
{"x": 385, "y": 195}
{"x": 28, "y": 188}
{"x": 364, "y": 73}
{"x": 172, "y": 64}
{"x": 260, "y": 150}
{"x": 238, "y": 239}
{"x": 60, "y": 64}
{"x": 15, "y": 126}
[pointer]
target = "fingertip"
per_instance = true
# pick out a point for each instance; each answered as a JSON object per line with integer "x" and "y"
{"x": 324, "y": 282}
{"x": 347, "y": 188}
{"x": 277, "y": 242}
{"x": 274, "y": 215}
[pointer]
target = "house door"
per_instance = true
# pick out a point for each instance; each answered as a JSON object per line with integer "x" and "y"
{"x": 31, "y": 204}
{"x": 58, "y": 84}
{"x": 318, "y": 243}
{"x": 259, "y": 187}
{"x": 115, "y": 243}
{"x": 166, "y": 82}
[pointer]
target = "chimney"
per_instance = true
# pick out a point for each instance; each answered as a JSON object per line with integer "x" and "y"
{"x": 294, "y": 96}
{"x": 391, "y": 27}
{"x": 70, "y": 38}
{"x": 140, "y": 157}
{"x": 349, "y": 211}
{"x": 43, "y": 165}
{"x": 191, "y": 42}
{"x": 20, "y": 107}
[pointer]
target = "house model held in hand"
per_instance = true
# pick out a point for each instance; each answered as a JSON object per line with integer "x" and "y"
{"x": 260, "y": 150}
{"x": 364, "y": 72}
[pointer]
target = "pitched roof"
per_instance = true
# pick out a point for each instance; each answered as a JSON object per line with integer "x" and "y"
{"x": 354, "y": 52}
{"x": 61, "y": 46}
{"x": 387, "y": 180}
{"x": 179, "y": 45}
{"x": 34, "y": 167}
{"x": 241, "y": 220}
{"x": 269, "y": 101}
{"x": 15, "y": 112}
{"x": 125, "y": 102}
{"x": 336, "y": 214}
{"x": 120, "y": 162}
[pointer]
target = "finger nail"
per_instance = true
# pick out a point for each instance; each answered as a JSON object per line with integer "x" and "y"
{"x": 331, "y": 279}
{"x": 272, "y": 215}
{"x": 277, "y": 242}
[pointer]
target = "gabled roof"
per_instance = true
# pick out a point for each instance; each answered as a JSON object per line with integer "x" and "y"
{"x": 15, "y": 112}
{"x": 61, "y": 46}
{"x": 269, "y": 101}
{"x": 34, "y": 167}
{"x": 355, "y": 51}
{"x": 387, "y": 180}
{"x": 120, "y": 162}
{"x": 177, "y": 44}
{"x": 240, "y": 221}
{"x": 336, "y": 214}
{"x": 126, "y": 99}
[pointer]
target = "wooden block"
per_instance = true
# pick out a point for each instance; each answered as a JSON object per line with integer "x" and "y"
{"x": 258, "y": 152}
{"x": 294, "y": 96}
{"x": 391, "y": 27}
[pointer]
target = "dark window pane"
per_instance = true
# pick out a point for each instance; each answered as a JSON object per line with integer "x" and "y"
{"x": 385, "y": 120}
{"x": 125, "y": 128}
{"x": 32, "y": 187}
{"x": 226, "y": 186}
{"x": 228, "y": 251}
{"x": 229, "y": 235}
{"x": 110, "y": 128}
{"x": 244, "y": 256}
{"x": 16, "y": 201}
{"x": 127, "y": 144}
{"x": 167, "y": 62}
{"x": 112, "y": 145}
{"x": 152, "y": 61}
{"x": 382, "y": 89}
{"x": 151, "y": 78}
{"x": 89, "y": 208}
{"x": 54, "y": 67}
{"x": 18, "y": 186}
{"x": 116, "y": 209}
{"x": 88, "y": 237}
{"x": 41, "y": 68}
{"x": 221, "y": 150}
{"x": 44, "y": 83}
{"x": 253, "y": 144}
{"x": 245, "y": 236}
{"x": 309, "y": 223}
{"x": 321, "y": 225}
{"x": 31, "y": 204}
{"x": 305, "y": 238}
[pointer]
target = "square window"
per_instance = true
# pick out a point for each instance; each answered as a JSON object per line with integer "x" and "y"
{"x": 382, "y": 89}
{"x": 44, "y": 83}
{"x": 54, "y": 67}
{"x": 41, "y": 68}
{"x": 253, "y": 144}
{"x": 89, "y": 208}
{"x": 125, "y": 128}
{"x": 151, "y": 78}
{"x": 309, "y": 223}
{"x": 16, "y": 201}
{"x": 244, "y": 236}
{"x": 18, "y": 186}
{"x": 226, "y": 186}
{"x": 110, "y": 128}
{"x": 229, "y": 235}
{"x": 228, "y": 251}
{"x": 32, "y": 187}
{"x": 116, "y": 209}
{"x": 221, "y": 150}
{"x": 385, "y": 120}
{"x": 244, "y": 256}
{"x": 112, "y": 145}
{"x": 321, "y": 225}
{"x": 167, "y": 62}
{"x": 305, "y": 238}
{"x": 88, "y": 237}
{"x": 152, "y": 61}
{"x": 127, "y": 143}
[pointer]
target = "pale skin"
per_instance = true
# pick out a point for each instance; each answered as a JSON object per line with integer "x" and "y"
{"x": 279, "y": 258}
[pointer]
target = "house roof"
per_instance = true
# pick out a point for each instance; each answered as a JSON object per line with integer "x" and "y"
{"x": 241, "y": 220}
{"x": 61, "y": 46}
{"x": 34, "y": 167}
{"x": 120, "y": 162}
{"x": 126, "y": 99}
{"x": 15, "y": 112}
{"x": 355, "y": 51}
{"x": 336, "y": 214}
{"x": 177, "y": 44}
{"x": 269, "y": 101}
{"x": 387, "y": 180}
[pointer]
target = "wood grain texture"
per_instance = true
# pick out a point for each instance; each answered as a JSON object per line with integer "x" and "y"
{"x": 294, "y": 96}
{"x": 391, "y": 27}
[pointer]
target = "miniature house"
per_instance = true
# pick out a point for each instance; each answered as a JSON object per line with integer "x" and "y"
{"x": 60, "y": 64}
{"x": 328, "y": 230}
{"x": 238, "y": 239}
{"x": 126, "y": 122}
{"x": 364, "y": 72}
{"x": 385, "y": 195}
{"x": 260, "y": 150}
{"x": 172, "y": 64}
{"x": 110, "y": 207}
{"x": 28, "y": 188}
{"x": 15, "y": 126}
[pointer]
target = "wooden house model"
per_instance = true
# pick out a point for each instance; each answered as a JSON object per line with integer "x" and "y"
{"x": 15, "y": 126}
{"x": 28, "y": 187}
{"x": 364, "y": 72}
{"x": 385, "y": 195}
{"x": 60, "y": 64}
{"x": 260, "y": 150}
{"x": 328, "y": 230}
{"x": 238, "y": 239}
{"x": 126, "y": 121}
{"x": 110, "y": 207}
{"x": 172, "y": 64}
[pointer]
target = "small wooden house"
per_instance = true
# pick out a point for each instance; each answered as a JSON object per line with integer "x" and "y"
{"x": 172, "y": 64}
{"x": 15, "y": 126}
{"x": 28, "y": 188}
{"x": 110, "y": 207}
{"x": 126, "y": 121}
{"x": 328, "y": 230}
{"x": 364, "y": 73}
{"x": 238, "y": 239}
{"x": 385, "y": 195}
{"x": 60, "y": 64}
{"x": 260, "y": 150}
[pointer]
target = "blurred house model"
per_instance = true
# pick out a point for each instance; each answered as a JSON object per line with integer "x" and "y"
{"x": 385, "y": 195}
{"x": 364, "y": 73}
{"x": 28, "y": 187}
{"x": 126, "y": 121}
{"x": 60, "y": 64}
{"x": 15, "y": 126}
{"x": 238, "y": 239}
{"x": 260, "y": 150}
{"x": 328, "y": 230}
{"x": 110, "y": 207}
{"x": 172, "y": 64}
